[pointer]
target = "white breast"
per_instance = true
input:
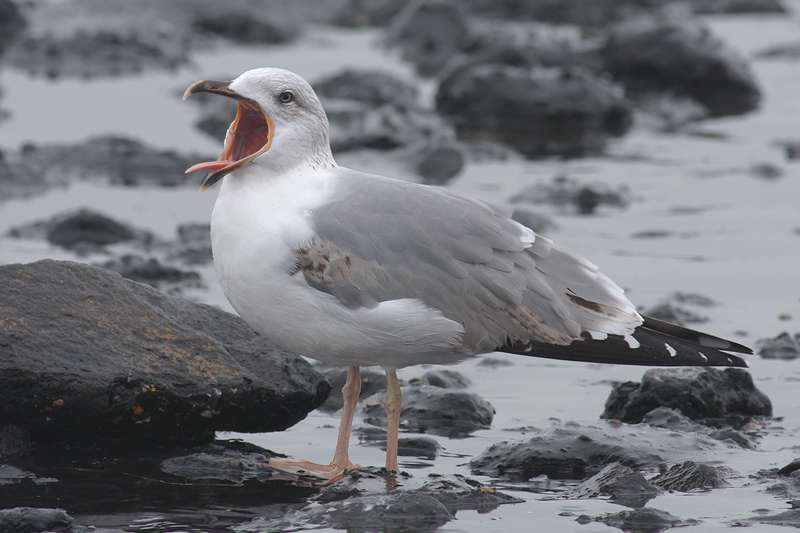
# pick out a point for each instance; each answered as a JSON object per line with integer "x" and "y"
{"x": 256, "y": 225}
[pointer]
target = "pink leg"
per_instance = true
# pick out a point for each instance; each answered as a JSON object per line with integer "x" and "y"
{"x": 393, "y": 402}
{"x": 341, "y": 461}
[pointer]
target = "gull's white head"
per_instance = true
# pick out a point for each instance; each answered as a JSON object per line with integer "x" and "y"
{"x": 280, "y": 124}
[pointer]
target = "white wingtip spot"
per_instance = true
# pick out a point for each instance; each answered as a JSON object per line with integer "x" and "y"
{"x": 597, "y": 335}
{"x": 632, "y": 342}
{"x": 672, "y": 351}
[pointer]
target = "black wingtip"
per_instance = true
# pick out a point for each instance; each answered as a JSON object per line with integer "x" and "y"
{"x": 654, "y": 343}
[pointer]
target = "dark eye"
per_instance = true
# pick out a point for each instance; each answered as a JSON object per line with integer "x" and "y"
{"x": 286, "y": 97}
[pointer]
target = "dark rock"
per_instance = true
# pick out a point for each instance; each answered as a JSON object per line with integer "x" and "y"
{"x": 370, "y": 87}
{"x": 539, "y": 112}
{"x": 150, "y": 271}
{"x": 690, "y": 476}
{"x": 86, "y": 352}
{"x": 83, "y": 230}
{"x": 86, "y": 227}
{"x": 681, "y": 58}
{"x": 568, "y": 194}
{"x": 109, "y": 159}
{"x": 437, "y": 164}
{"x": 624, "y": 485}
{"x": 454, "y": 492}
{"x": 358, "y": 13}
{"x": 446, "y": 379}
{"x": 645, "y": 520}
{"x": 246, "y": 27}
{"x": 427, "y": 409}
{"x": 703, "y": 394}
{"x": 220, "y": 463}
{"x": 430, "y": 33}
{"x": 14, "y": 442}
{"x": 669, "y": 311}
{"x": 785, "y": 346}
{"x": 193, "y": 246}
{"x": 424, "y": 447}
{"x": 35, "y": 520}
{"x": 372, "y": 382}
{"x": 790, "y": 518}
{"x": 672, "y": 419}
{"x": 12, "y": 23}
{"x": 594, "y": 14}
{"x": 459, "y": 493}
{"x": 395, "y": 511}
{"x": 531, "y": 217}
{"x": 707, "y": 7}
{"x": 563, "y": 453}
{"x": 789, "y": 469}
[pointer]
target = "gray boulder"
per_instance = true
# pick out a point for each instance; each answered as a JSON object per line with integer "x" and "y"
{"x": 539, "y": 112}
{"x": 84, "y": 351}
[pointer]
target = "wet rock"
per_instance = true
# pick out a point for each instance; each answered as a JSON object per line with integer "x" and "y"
{"x": 672, "y": 419}
{"x": 150, "y": 271}
{"x": 14, "y": 442}
{"x": 359, "y": 13}
{"x": 707, "y": 7}
{"x": 437, "y": 164}
{"x": 393, "y": 511}
{"x": 94, "y": 38}
{"x": 706, "y": 395}
{"x": 221, "y": 462}
{"x": 87, "y": 227}
{"x": 689, "y": 476}
{"x": 12, "y": 23}
{"x": 109, "y": 159}
{"x": 645, "y": 520}
{"x": 531, "y": 217}
{"x": 35, "y": 520}
{"x": 446, "y": 379}
{"x": 372, "y": 381}
{"x": 675, "y": 308}
{"x": 86, "y": 352}
{"x": 454, "y": 492}
{"x": 371, "y": 87}
{"x": 790, "y": 518}
{"x": 562, "y": 453}
{"x": 569, "y": 194}
{"x": 539, "y": 112}
{"x": 193, "y": 245}
{"x": 431, "y": 33}
{"x": 624, "y": 485}
{"x": 595, "y": 14}
{"x": 424, "y": 447}
{"x": 83, "y": 230}
{"x": 682, "y": 58}
{"x": 246, "y": 27}
{"x": 785, "y": 346}
{"x": 427, "y": 409}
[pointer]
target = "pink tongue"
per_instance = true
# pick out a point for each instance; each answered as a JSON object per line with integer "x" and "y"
{"x": 211, "y": 165}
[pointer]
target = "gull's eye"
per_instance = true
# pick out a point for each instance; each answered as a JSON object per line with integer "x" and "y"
{"x": 286, "y": 97}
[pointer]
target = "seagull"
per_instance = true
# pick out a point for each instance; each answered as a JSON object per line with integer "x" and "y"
{"x": 360, "y": 270}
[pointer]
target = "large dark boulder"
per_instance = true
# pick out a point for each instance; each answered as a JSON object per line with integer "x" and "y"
{"x": 84, "y": 351}
{"x": 539, "y": 112}
{"x": 700, "y": 393}
{"x": 681, "y": 58}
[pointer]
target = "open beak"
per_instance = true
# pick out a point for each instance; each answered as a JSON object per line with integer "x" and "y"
{"x": 249, "y": 135}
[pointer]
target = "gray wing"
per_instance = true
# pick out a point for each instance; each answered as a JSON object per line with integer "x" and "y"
{"x": 380, "y": 239}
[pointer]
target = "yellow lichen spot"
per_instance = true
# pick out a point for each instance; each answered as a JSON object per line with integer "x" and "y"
{"x": 207, "y": 413}
{"x": 138, "y": 410}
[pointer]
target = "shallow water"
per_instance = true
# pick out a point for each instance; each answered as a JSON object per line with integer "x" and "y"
{"x": 729, "y": 235}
